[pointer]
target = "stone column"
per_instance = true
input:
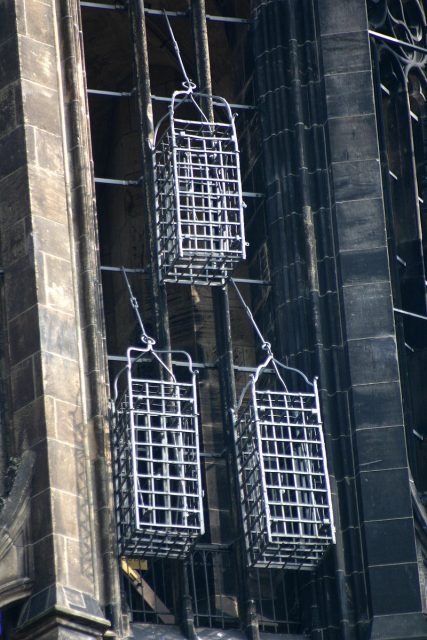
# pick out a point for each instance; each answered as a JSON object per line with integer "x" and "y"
{"x": 46, "y": 348}
{"x": 378, "y": 438}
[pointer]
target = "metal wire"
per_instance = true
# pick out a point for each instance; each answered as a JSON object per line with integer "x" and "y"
{"x": 188, "y": 83}
{"x": 145, "y": 338}
{"x": 264, "y": 344}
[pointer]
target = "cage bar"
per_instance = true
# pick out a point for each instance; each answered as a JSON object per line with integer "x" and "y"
{"x": 156, "y": 457}
{"x": 199, "y": 204}
{"x": 282, "y": 472}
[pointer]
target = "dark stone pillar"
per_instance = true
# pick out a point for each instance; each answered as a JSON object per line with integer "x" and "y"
{"x": 367, "y": 308}
{"x": 334, "y": 304}
{"x": 46, "y": 349}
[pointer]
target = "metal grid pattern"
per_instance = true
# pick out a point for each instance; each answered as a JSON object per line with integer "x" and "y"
{"x": 283, "y": 477}
{"x": 213, "y": 587}
{"x": 199, "y": 204}
{"x": 156, "y": 462}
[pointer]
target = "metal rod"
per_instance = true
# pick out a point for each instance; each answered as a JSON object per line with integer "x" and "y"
{"x": 114, "y": 94}
{"x": 211, "y": 18}
{"x": 184, "y": 14}
{"x": 237, "y": 367}
{"x": 101, "y": 5}
{"x": 118, "y": 182}
{"x": 159, "y": 12}
{"x": 162, "y": 13}
{"x": 408, "y": 45}
{"x": 176, "y": 363}
{"x": 120, "y": 269}
{"x": 252, "y": 194}
{"x": 145, "y": 110}
{"x": 409, "y": 313}
{"x": 221, "y": 306}
{"x": 231, "y": 104}
{"x": 266, "y": 283}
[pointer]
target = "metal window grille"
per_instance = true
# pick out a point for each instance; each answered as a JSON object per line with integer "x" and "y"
{"x": 199, "y": 206}
{"x": 283, "y": 475}
{"x": 158, "y": 492}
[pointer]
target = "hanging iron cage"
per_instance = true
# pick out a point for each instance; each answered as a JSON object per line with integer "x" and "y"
{"x": 282, "y": 472}
{"x": 156, "y": 459}
{"x": 199, "y": 205}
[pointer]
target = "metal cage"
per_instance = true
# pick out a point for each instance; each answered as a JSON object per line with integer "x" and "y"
{"x": 158, "y": 492}
{"x": 199, "y": 206}
{"x": 283, "y": 474}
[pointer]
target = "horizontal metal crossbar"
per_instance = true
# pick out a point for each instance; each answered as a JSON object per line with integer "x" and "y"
{"x": 160, "y": 13}
{"x": 233, "y": 105}
{"x": 185, "y": 14}
{"x": 114, "y": 181}
{"x": 402, "y": 43}
{"x": 409, "y": 313}
{"x": 103, "y": 5}
{"x": 115, "y": 94}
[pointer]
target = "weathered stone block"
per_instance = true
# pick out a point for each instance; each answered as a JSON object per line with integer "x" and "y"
{"x": 16, "y": 241}
{"x": 47, "y": 193}
{"x": 24, "y": 335}
{"x": 58, "y": 283}
{"x": 7, "y": 19}
{"x": 12, "y": 151}
{"x": 41, "y": 479}
{"x": 23, "y": 383}
{"x": 41, "y": 514}
{"x": 51, "y": 237}
{"x": 39, "y": 21}
{"x": 61, "y": 378}
{"x": 18, "y": 299}
{"x": 38, "y": 62}
{"x": 10, "y": 109}
{"x": 67, "y": 468}
{"x": 40, "y": 105}
{"x": 57, "y": 333}
{"x": 67, "y": 512}
{"x": 32, "y": 423}
{"x": 49, "y": 151}
{"x": 80, "y": 573}
{"x": 45, "y": 561}
{"x": 14, "y": 198}
{"x": 69, "y": 422}
{"x": 9, "y": 62}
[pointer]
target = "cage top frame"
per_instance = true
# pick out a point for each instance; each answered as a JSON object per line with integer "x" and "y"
{"x": 276, "y": 365}
{"x": 135, "y": 355}
{"x": 181, "y": 97}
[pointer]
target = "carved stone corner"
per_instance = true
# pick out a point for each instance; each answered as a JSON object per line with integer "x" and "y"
{"x": 15, "y": 582}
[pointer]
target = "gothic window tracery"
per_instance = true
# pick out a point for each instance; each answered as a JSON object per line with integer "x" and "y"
{"x": 399, "y": 51}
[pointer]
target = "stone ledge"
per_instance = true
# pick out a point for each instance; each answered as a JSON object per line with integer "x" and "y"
{"x": 405, "y": 626}
{"x": 62, "y": 622}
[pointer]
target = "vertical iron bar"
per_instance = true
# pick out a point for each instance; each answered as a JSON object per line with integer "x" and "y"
{"x": 223, "y": 327}
{"x": 145, "y": 110}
